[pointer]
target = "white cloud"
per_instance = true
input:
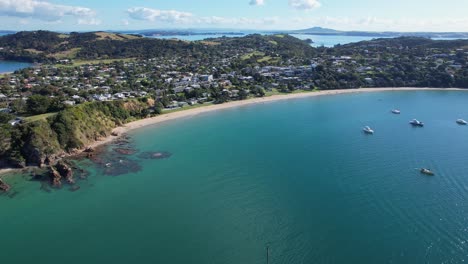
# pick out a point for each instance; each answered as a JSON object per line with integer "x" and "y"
{"x": 304, "y": 4}
{"x": 42, "y": 10}
{"x": 379, "y": 24}
{"x": 257, "y": 2}
{"x": 174, "y": 17}
{"x": 125, "y": 22}
{"x": 89, "y": 21}
{"x": 156, "y": 15}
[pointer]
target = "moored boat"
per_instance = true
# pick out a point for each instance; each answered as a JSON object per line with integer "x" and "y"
{"x": 368, "y": 130}
{"x": 427, "y": 172}
{"x": 461, "y": 122}
{"x": 416, "y": 122}
{"x": 396, "y": 111}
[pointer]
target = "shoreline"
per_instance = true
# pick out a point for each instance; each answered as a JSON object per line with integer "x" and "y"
{"x": 211, "y": 108}
{"x": 259, "y": 100}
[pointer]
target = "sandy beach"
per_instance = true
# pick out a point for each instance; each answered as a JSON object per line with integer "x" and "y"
{"x": 196, "y": 111}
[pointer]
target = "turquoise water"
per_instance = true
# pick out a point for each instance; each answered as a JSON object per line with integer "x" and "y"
{"x": 11, "y": 66}
{"x": 298, "y": 175}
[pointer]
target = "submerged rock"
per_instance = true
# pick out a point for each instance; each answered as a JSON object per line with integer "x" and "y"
{"x": 125, "y": 151}
{"x": 45, "y": 187}
{"x": 155, "y": 155}
{"x": 74, "y": 188}
{"x": 4, "y": 187}
{"x": 121, "y": 167}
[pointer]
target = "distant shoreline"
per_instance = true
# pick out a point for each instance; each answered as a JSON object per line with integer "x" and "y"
{"x": 211, "y": 108}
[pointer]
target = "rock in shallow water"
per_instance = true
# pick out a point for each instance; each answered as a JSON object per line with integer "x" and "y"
{"x": 155, "y": 155}
{"x": 125, "y": 151}
{"x": 122, "y": 166}
{"x": 4, "y": 187}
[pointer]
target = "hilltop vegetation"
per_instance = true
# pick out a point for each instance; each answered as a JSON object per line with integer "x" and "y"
{"x": 38, "y": 142}
{"x": 45, "y": 46}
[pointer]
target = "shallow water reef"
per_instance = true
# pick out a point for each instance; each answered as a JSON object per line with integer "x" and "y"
{"x": 155, "y": 155}
{"x": 4, "y": 187}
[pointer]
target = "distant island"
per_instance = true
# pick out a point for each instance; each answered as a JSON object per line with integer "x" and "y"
{"x": 89, "y": 83}
{"x": 377, "y": 34}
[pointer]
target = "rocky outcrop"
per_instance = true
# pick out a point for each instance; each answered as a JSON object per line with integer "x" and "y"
{"x": 65, "y": 171}
{"x": 4, "y": 187}
{"x": 56, "y": 178}
{"x": 89, "y": 150}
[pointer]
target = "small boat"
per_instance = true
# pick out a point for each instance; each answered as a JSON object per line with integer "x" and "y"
{"x": 108, "y": 165}
{"x": 396, "y": 111}
{"x": 461, "y": 122}
{"x": 415, "y": 122}
{"x": 368, "y": 130}
{"x": 427, "y": 172}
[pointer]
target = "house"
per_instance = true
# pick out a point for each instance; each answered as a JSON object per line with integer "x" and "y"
{"x": 206, "y": 78}
{"x": 68, "y": 102}
{"x": 3, "y": 97}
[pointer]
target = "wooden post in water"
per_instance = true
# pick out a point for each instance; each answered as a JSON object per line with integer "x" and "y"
{"x": 268, "y": 254}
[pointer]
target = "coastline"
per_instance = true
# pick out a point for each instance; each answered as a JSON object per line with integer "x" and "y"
{"x": 259, "y": 100}
{"x": 118, "y": 131}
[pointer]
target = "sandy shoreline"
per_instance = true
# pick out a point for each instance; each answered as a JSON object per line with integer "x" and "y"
{"x": 196, "y": 111}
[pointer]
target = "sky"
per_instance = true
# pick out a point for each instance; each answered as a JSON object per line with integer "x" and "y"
{"x": 369, "y": 15}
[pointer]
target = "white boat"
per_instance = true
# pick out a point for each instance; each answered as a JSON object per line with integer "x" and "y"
{"x": 396, "y": 111}
{"x": 416, "y": 122}
{"x": 461, "y": 122}
{"x": 368, "y": 130}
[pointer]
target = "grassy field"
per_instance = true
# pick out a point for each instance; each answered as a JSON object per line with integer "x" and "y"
{"x": 38, "y": 117}
{"x": 93, "y": 62}
{"x": 250, "y": 55}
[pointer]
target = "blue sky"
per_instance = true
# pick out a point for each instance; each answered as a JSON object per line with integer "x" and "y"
{"x": 378, "y": 15}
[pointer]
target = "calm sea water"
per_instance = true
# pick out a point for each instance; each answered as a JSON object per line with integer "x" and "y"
{"x": 298, "y": 175}
{"x": 319, "y": 40}
{"x": 11, "y": 66}
{"x": 327, "y": 41}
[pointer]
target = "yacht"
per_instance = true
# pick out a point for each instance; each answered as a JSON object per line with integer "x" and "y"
{"x": 368, "y": 130}
{"x": 427, "y": 172}
{"x": 396, "y": 111}
{"x": 415, "y": 122}
{"x": 461, "y": 122}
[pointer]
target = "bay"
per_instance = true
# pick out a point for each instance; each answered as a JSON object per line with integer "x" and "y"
{"x": 298, "y": 175}
{"x": 11, "y": 66}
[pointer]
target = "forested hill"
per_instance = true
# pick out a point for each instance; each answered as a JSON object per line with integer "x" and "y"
{"x": 409, "y": 42}
{"x": 45, "y": 46}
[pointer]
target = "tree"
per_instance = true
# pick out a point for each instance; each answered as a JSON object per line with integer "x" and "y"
{"x": 4, "y": 118}
{"x": 38, "y": 104}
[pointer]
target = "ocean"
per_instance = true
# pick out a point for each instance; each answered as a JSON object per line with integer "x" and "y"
{"x": 298, "y": 176}
{"x": 11, "y": 66}
{"x": 319, "y": 40}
